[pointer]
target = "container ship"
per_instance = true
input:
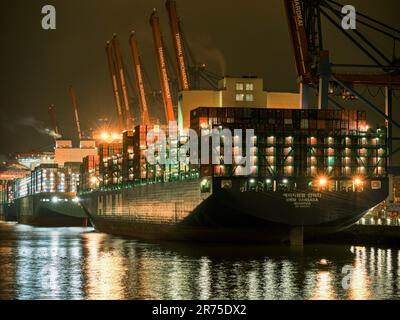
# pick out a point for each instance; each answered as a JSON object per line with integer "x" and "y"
{"x": 313, "y": 172}
{"x": 9, "y": 172}
{"x": 7, "y": 209}
{"x": 47, "y": 197}
{"x": 47, "y": 194}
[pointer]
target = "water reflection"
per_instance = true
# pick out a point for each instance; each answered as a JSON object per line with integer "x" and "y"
{"x": 323, "y": 288}
{"x": 103, "y": 268}
{"x": 359, "y": 277}
{"x": 80, "y": 264}
{"x": 48, "y": 263}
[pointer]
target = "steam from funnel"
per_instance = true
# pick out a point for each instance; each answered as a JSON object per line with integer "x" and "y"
{"x": 210, "y": 54}
{"x": 31, "y": 122}
{"x": 51, "y": 133}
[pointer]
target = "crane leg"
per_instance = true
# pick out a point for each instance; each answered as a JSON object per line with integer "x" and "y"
{"x": 323, "y": 95}
{"x": 325, "y": 74}
{"x": 304, "y": 96}
{"x": 389, "y": 125}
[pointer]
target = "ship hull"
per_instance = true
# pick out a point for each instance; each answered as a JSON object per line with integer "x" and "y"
{"x": 8, "y": 212}
{"x": 179, "y": 211}
{"x": 50, "y": 210}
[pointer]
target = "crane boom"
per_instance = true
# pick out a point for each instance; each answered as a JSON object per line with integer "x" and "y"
{"x": 53, "y": 119}
{"x": 145, "y": 120}
{"x": 162, "y": 67}
{"x": 391, "y": 80}
{"x": 178, "y": 45}
{"x": 117, "y": 99}
{"x": 121, "y": 73}
{"x": 299, "y": 41}
{"x": 75, "y": 109}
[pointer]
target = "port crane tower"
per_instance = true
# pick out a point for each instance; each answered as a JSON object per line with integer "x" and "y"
{"x": 190, "y": 72}
{"x": 316, "y": 71}
{"x": 114, "y": 82}
{"x": 122, "y": 80}
{"x": 74, "y": 102}
{"x": 138, "y": 71}
{"x": 163, "y": 71}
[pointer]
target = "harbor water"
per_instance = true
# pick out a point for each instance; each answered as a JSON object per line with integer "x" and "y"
{"x": 78, "y": 263}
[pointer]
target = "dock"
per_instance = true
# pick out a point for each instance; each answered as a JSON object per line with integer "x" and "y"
{"x": 365, "y": 234}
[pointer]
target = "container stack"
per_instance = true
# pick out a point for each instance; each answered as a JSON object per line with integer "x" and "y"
{"x": 127, "y": 160}
{"x": 298, "y": 143}
{"x": 88, "y": 173}
{"x": 49, "y": 178}
{"x": 140, "y": 168}
{"x": 286, "y": 144}
{"x": 6, "y": 191}
{"x": 106, "y": 152}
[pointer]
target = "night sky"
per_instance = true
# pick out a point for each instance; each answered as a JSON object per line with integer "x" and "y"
{"x": 233, "y": 37}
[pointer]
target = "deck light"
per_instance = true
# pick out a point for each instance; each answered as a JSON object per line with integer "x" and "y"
{"x": 358, "y": 181}
{"x": 54, "y": 199}
{"x": 322, "y": 181}
{"x": 93, "y": 180}
{"x": 104, "y": 136}
{"x": 114, "y": 136}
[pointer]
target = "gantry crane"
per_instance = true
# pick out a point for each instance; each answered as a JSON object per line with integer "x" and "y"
{"x": 312, "y": 60}
{"x": 138, "y": 71}
{"x": 121, "y": 73}
{"x": 162, "y": 67}
{"x": 75, "y": 110}
{"x": 315, "y": 70}
{"x": 114, "y": 81}
{"x": 297, "y": 29}
{"x": 177, "y": 39}
{"x": 189, "y": 71}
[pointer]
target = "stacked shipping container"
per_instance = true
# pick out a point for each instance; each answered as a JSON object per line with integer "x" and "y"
{"x": 295, "y": 143}
{"x": 89, "y": 173}
{"x": 49, "y": 178}
{"x": 106, "y": 153}
{"x": 6, "y": 191}
{"x": 127, "y": 156}
{"x": 287, "y": 143}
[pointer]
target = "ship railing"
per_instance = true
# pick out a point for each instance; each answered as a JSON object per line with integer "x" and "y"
{"x": 148, "y": 218}
{"x": 372, "y": 221}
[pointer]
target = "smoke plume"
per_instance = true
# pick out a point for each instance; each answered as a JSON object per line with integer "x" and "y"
{"x": 31, "y": 122}
{"x": 210, "y": 54}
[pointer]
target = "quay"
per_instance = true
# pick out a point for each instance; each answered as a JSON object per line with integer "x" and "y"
{"x": 361, "y": 234}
